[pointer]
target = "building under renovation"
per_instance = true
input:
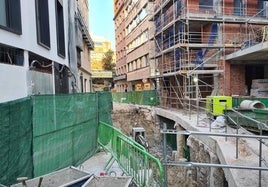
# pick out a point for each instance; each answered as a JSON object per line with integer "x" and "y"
{"x": 199, "y": 49}
{"x": 194, "y": 40}
{"x": 181, "y": 48}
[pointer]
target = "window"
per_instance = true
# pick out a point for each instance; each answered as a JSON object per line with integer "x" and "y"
{"x": 206, "y": 4}
{"x": 262, "y": 7}
{"x": 3, "y": 13}
{"x": 85, "y": 85}
{"x": 146, "y": 60}
{"x": 143, "y": 13}
{"x": 10, "y": 15}
{"x": 238, "y": 8}
{"x": 81, "y": 82}
{"x": 10, "y": 55}
{"x": 139, "y": 63}
{"x": 42, "y": 23}
{"x": 78, "y": 57}
{"x": 60, "y": 28}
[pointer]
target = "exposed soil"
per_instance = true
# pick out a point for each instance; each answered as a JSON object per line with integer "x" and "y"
{"x": 125, "y": 117}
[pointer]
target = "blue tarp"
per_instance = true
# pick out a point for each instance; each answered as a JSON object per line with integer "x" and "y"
{"x": 212, "y": 37}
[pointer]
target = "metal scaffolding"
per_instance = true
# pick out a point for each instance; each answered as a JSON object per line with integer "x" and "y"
{"x": 191, "y": 42}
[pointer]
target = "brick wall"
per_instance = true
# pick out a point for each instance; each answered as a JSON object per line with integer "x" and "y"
{"x": 234, "y": 79}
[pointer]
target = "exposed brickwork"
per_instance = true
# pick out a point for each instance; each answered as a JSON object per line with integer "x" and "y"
{"x": 234, "y": 79}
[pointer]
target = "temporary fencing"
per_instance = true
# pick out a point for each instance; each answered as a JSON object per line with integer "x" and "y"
{"x": 145, "y": 169}
{"x": 147, "y": 97}
{"x": 44, "y": 133}
{"x": 15, "y": 140}
{"x": 64, "y": 130}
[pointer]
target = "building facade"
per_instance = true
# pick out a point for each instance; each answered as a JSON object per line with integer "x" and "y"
{"x": 183, "y": 48}
{"x": 102, "y": 45}
{"x": 133, "y": 67}
{"x": 192, "y": 39}
{"x": 38, "y": 48}
{"x": 84, "y": 48}
{"x": 102, "y": 79}
{"x": 120, "y": 45}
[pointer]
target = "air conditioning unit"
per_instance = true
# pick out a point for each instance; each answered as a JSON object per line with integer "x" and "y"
{"x": 215, "y": 105}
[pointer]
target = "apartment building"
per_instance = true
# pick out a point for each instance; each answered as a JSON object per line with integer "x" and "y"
{"x": 102, "y": 79}
{"x": 133, "y": 71}
{"x": 39, "y": 47}
{"x": 84, "y": 47}
{"x": 102, "y": 45}
{"x": 192, "y": 40}
{"x": 120, "y": 40}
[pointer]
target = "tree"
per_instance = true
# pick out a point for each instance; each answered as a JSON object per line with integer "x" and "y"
{"x": 107, "y": 61}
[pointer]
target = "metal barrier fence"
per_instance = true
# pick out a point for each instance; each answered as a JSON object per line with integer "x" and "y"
{"x": 261, "y": 167}
{"x": 145, "y": 169}
{"x": 148, "y": 97}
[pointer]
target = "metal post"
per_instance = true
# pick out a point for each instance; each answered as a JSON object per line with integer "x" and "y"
{"x": 197, "y": 115}
{"x": 196, "y": 90}
{"x": 190, "y": 107}
{"x": 165, "y": 152}
{"x": 226, "y": 122}
{"x": 260, "y": 154}
{"x": 210, "y": 119}
{"x": 236, "y": 142}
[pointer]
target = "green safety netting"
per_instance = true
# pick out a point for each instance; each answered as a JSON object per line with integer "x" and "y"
{"x": 15, "y": 140}
{"x": 105, "y": 107}
{"x": 147, "y": 97}
{"x": 64, "y": 130}
{"x": 45, "y": 133}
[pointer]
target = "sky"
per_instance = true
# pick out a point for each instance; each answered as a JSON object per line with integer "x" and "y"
{"x": 101, "y": 19}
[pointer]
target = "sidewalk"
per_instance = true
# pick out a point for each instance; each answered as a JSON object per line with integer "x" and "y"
{"x": 96, "y": 165}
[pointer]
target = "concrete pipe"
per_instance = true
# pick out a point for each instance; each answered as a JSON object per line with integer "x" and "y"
{"x": 249, "y": 104}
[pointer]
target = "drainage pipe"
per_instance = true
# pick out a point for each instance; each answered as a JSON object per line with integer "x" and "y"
{"x": 251, "y": 104}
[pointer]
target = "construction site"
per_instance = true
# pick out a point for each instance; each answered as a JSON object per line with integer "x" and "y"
{"x": 210, "y": 55}
{"x": 205, "y": 48}
{"x": 208, "y": 61}
{"x": 204, "y": 124}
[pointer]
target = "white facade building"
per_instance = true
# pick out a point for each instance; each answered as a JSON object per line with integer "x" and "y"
{"x": 38, "y": 47}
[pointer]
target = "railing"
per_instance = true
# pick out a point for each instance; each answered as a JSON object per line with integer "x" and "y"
{"x": 145, "y": 169}
{"x": 225, "y": 11}
{"x": 259, "y": 138}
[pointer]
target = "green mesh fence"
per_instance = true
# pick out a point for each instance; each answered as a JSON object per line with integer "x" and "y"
{"x": 145, "y": 169}
{"x": 45, "y": 133}
{"x": 105, "y": 106}
{"x": 148, "y": 97}
{"x": 15, "y": 140}
{"x": 65, "y": 130}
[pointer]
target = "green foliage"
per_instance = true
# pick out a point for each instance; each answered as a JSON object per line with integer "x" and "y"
{"x": 107, "y": 60}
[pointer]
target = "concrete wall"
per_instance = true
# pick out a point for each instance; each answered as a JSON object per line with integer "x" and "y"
{"x": 204, "y": 176}
{"x": 13, "y": 84}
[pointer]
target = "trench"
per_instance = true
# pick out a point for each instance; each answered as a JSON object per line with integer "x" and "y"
{"x": 125, "y": 117}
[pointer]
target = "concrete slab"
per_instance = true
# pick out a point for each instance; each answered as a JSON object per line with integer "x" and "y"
{"x": 96, "y": 165}
{"x": 248, "y": 149}
{"x": 106, "y": 181}
{"x": 61, "y": 178}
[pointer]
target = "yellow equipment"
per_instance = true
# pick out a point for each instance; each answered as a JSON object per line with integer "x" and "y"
{"x": 215, "y": 105}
